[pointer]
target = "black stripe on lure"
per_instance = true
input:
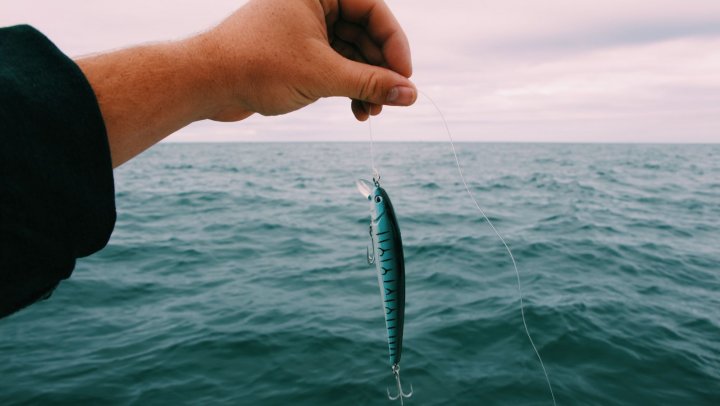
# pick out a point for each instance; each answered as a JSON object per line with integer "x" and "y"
{"x": 387, "y": 255}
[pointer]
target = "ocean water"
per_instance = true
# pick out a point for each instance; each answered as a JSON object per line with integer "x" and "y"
{"x": 236, "y": 275}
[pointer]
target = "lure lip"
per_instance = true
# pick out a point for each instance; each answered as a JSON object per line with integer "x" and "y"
{"x": 365, "y": 187}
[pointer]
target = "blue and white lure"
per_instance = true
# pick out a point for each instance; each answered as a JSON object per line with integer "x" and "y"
{"x": 387, "y": 255}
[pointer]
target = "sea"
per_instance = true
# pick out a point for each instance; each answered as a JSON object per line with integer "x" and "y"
{"x": 237, "y": 275}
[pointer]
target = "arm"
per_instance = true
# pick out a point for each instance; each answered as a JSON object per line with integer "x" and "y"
{"x": 270, "y": 57}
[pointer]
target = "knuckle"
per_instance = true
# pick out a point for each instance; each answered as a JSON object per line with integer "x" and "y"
{"x": 370, "y": 85}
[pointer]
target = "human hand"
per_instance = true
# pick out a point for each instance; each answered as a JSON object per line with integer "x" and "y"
{"x": 276, "y": 56}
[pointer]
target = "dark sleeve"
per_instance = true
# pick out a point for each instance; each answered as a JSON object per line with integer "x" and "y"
{"x": 57, "y": 199}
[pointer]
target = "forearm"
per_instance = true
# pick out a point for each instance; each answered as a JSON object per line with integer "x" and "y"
{"x": 148, "y": 92}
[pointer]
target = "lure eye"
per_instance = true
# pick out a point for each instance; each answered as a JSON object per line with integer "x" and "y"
{"x": 378, "y": 199}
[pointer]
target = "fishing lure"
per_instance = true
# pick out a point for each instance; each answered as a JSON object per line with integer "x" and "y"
{"x": 387, "y": 255}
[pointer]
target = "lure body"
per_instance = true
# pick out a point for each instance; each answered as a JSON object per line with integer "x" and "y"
{"x": 390, "y": 265}
{"x": 389, "y": 262}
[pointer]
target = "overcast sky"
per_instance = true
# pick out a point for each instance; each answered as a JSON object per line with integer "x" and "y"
{"x": 501, "y": 70}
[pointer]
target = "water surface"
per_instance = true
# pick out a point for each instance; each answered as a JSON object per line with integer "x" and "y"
{"x": 236, "y": 275}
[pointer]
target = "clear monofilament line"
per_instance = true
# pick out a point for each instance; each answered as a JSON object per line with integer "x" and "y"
{"x": 507, "y": 247}
{"x": 376, "y": 174}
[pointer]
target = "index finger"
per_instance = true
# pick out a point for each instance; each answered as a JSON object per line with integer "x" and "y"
{"x": 383, "y": 28}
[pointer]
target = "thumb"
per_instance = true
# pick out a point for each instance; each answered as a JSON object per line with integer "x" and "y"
{"x": 372, "y": 84}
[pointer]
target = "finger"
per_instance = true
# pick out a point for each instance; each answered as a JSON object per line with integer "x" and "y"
{"x": 331, "y": 11}
{"x": 358, "y": 110}
{"x": 368, "y": 83}
{"x": 362, "y": 110}
{"x": 356, "y": 35}
{"x": 372, "y": 108}
{"x": 348, "y": 50}
{"x": 384, "y": 30}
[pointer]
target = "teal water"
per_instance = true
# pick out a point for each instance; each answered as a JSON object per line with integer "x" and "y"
{"x": 236, "y": 275}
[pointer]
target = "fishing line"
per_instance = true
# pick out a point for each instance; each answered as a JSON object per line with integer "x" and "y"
{"x": 507, "y": 247}
{"x": 376, "y": 174}
{"x": 492, "y": 226}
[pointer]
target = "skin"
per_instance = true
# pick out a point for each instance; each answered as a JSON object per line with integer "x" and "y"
{"x": 270, "y": 57}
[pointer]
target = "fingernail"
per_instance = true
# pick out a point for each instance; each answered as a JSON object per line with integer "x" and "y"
{"x": 400, "y": 96}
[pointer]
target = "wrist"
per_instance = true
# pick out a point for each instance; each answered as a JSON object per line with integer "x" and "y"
{"x": 214, "y": 77}
{"x": 201, "y": 87}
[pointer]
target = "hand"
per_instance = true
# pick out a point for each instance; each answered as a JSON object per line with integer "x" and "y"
{"x": 270, "y": 57}
{"x": 276, "y": 56}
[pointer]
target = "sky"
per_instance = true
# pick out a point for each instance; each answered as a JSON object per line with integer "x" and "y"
{"x": 500, "y": 70}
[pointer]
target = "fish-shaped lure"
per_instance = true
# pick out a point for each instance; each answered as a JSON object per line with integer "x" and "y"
{"x": 387, "y": 255}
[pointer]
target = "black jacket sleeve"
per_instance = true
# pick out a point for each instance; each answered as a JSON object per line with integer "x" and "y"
{"x": 57, "y": 199}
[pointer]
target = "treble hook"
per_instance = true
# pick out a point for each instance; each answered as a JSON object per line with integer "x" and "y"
{"x": 371, "y": 257}
{"x": 400, "y": 395}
